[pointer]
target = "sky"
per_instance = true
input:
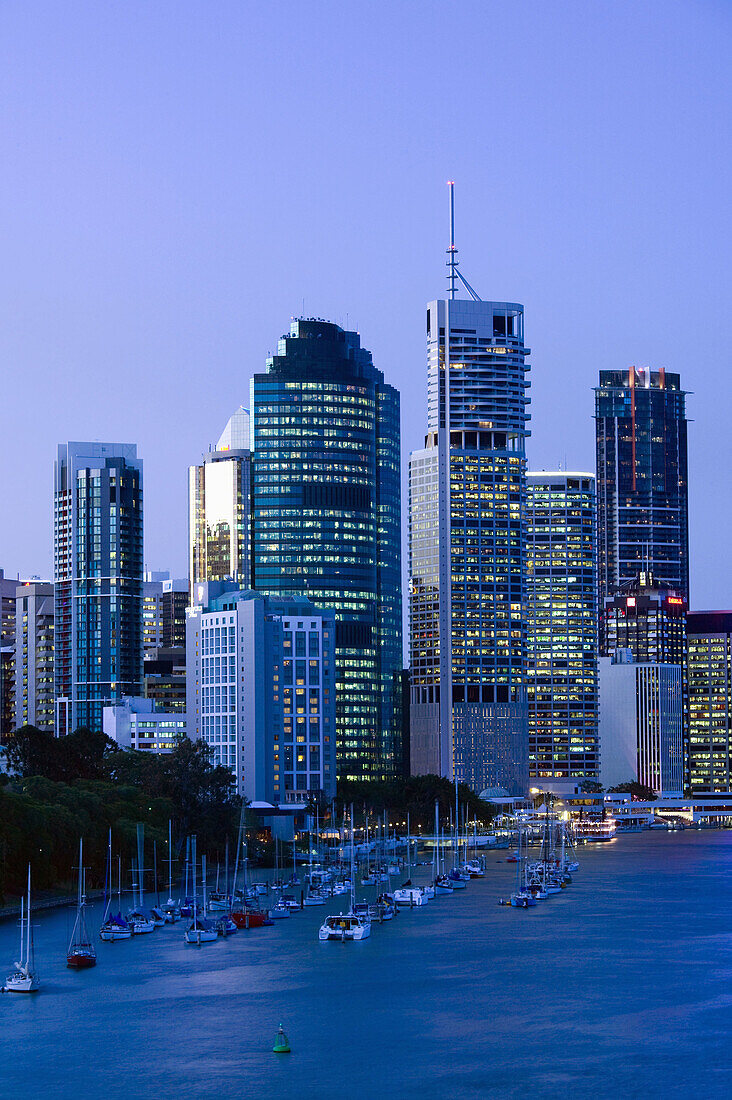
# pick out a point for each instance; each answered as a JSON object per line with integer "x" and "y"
{"x": 180, "y": 179}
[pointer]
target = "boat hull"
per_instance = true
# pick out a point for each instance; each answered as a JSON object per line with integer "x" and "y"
{"x": 81, "y": 961}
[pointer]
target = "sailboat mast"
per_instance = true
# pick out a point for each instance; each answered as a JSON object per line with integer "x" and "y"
{"x": 170, "y": 859}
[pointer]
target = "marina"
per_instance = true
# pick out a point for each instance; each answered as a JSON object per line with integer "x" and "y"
{"x": 456, "y": 991}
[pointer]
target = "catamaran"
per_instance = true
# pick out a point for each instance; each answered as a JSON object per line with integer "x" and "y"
{"x": 81, "y": 953}
{"x": 24, "y": 979}
{"x": 350, "y": 925}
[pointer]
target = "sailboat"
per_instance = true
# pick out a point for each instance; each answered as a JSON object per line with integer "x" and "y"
{"x": 113, "y": 927}
{"x": 24, "y": 979}
{"x": 350, "y": 925}
{"x": 81, "y": 953}
{"x": 200, "y": 930}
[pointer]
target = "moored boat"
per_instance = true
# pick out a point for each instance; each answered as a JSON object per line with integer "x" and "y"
{"x": 24, "y": 978}
{"x": 81, "y": 954}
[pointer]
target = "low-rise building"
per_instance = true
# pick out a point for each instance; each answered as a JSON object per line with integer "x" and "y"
{"x": 134, "y": 723}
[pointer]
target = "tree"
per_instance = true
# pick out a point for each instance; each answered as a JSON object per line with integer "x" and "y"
{"x": 591, "y": 786}
{"x": 639, "y": 791}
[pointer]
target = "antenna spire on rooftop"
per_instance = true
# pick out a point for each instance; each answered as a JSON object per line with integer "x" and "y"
{"x": 452, "y": 261}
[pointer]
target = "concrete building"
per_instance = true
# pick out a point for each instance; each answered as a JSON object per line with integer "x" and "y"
{"x": 648, "y": 618}
{"x": 98, "y": 563}
{"x": 709, "y": 641}
{"x": 262, "y": 690}
{"x": 467, "y": 549}
{"x": 34, "y": 655}
{"x": 641, "y": 724}
{"x": 164, "y": 678}
{"x": 561, "y": 616}
{"x": 135, "y": 723}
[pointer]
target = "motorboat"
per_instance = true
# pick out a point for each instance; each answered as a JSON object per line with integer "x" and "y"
{"x": 345, "y": 926}
{"x": 522, "y": 900}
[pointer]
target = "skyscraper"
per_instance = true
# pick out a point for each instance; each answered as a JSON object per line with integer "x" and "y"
{"x": 34, "y": 691}
{"x": 98, "y": 550}
{"x": 709, "y": 635}
{"x": 219, "y": 509}
{"x": 467, "y": 515}
{"x": 561, "y": 614}
{"x": 326, "y": 498}
{"x": 7, "y": 654}
{"x": 642, "y": 480}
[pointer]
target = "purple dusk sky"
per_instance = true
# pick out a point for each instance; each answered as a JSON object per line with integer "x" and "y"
{"x": 180, "y": 178}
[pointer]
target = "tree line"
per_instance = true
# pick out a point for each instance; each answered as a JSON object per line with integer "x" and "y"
{"x": 55, "y": 790}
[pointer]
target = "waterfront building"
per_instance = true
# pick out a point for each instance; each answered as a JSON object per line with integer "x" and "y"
{"x": 561, "y": 618}
{"x": 136, "y": 723}
{"x": 642, "y": 479}
{"x": 641, "y": 723}
{"x": 164, "y": 678}
{"x": 219, "y": 509}
{"x": 7, "y": 654}
{"x": 709, "y": 639}
{"x": 262, "y": 690}
{"x": 466, "y": 547}
{"x": 326, "y": 494}
{"x": 34, "y": 656}
{"x": 98, "y": 552}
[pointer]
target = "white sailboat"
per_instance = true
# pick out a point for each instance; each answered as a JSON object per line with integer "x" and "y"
{"x": 24, "y": 979}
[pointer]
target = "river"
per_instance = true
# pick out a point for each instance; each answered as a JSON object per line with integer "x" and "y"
{"x": 621, "y": 986}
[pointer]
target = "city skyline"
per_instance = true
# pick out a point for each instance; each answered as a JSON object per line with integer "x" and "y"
{"x": 137, "y": 268}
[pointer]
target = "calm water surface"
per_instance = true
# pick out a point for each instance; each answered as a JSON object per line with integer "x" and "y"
{"x": 619, "y": 987}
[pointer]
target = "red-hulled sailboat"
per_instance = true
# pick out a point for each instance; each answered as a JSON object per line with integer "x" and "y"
{"x": 81, "y": 953}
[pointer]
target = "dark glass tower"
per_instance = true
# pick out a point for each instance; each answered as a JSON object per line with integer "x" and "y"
{"x": 98, "y": 565}
{"x": 326, "y": 502}
{"x": 642, "y": 481}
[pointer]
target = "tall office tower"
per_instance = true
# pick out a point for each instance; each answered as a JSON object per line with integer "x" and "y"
{"x": 561, "y": 616}
{"x": 466, "y": 520}
{"x": 261, "y": 690}
{"x": 642, "y": 486}
{"x": 7, "y": 654}
{"x": 98, "y": 537}
{"x": 327, "y": 521}
{"x": 219, "y": 509}
{"x": 34, "y": 684}
{"x": 709, "y": 636}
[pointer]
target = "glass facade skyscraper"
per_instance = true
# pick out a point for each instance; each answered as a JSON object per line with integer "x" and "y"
{"x": 98, "y": 552}
{"x": 326, "y": 503}
{"x": 561, "y": 614}
{"x": 642, "y": 479}
{"x": 219, "y": 509}
{"x": 468, "y": 713}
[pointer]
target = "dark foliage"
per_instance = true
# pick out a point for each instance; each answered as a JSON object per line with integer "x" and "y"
{"x": 415, "y": 796}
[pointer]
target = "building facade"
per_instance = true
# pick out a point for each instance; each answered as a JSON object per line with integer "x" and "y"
{"x": 468, "y": 712}
{"x": 642, "y": 479}
{"x": 7, "y": 655}
{"x": 164, "y": 678}
{"x": 34, "y": 656}
{"x": 561, "y": 617}
{"x": 641, "y": 724}
{"x": 709, "y": 639}
{"x": 326, "y": 493}
{"x": 219, "y": 509}
{"x": 647, "y": 618}
{"x": 262, "y": 691}
{"x": 98, "y": 552}
{"x": 136, "y": 723}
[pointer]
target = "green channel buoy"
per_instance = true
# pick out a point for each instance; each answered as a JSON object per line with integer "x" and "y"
{"x": 282, "y": 1043}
